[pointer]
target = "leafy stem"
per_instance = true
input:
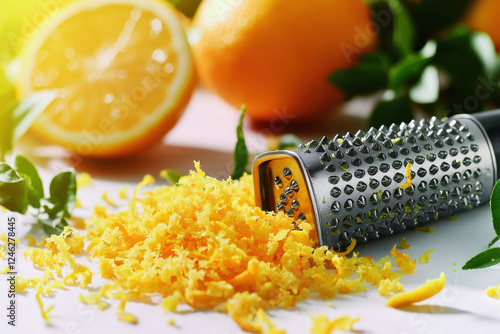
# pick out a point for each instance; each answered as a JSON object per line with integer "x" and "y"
{"x": 21, "y": 188}
{"x": 490, "y": 256}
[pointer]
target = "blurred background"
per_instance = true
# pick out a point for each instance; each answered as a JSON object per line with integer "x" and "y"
{"x": 101, "y": 82}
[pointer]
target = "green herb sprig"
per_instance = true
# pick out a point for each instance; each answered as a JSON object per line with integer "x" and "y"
{"x": 21, "y": 188}
{"x": 241, "y": 157}
{"x": 490, "y": 256}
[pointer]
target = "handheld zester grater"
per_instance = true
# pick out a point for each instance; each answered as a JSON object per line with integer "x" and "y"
{"x": 356, "y": 185}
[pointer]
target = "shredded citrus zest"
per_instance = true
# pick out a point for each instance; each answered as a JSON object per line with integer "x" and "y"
{"x": 108, "y": 201}
{"x": 453, "y": 218}
{"x": 403, "y": 261}
{"x": 349, "y": 248}
{"x": 423, "y": 292}
{"x": 78, "y": 222}
{"x": 493, "y": 291}
{"x": 403, "y": 244}
{"x": 321, "y": 324}
{"x": 171, "y": 322}
{"x": 146, "y": 181}
{"x": 271, "y": 327}
{"x": 408, "y": 176}
{"x": 424, "y": 258}
{"x": 31, "y": 240}
{"x": 45, "y": 313}
{"x": 205, "y": 244}
{"x": 122, "y": 193}
{"x": 83, "y": 180}
{"x": 427, "y": 229}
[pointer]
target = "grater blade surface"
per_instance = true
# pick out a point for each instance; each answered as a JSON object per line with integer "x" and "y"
{"x": 355, "y": 185}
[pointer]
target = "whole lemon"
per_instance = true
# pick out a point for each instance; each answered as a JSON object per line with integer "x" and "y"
{"x": 483, "y": 16}
{"x": 275, "y": 55}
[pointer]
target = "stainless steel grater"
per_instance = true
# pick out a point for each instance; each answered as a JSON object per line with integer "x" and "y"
{"x": 355, "y": 186}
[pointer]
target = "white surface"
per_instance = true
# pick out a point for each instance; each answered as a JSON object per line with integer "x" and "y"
{"x": 207, "y": 133}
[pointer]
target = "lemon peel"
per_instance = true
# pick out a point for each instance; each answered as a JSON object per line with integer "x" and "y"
{"x": 423, "y": 292}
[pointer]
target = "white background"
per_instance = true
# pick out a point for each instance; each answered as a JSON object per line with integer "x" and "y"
{"x": 207, "y": 133}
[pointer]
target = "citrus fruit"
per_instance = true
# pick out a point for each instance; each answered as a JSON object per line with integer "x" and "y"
{"x": 122, "y": 70}
{"x": 275, "y": 55}
{"x": 483, "y": 16}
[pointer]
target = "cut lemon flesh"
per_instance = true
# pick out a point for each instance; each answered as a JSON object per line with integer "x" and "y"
{"x": 122, "y": 70}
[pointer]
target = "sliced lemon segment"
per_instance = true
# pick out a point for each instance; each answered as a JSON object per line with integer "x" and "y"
{"x": 122, "y": 70}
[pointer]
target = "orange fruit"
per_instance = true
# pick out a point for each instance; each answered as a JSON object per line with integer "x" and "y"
{"x": 275, "y": 55}
{"x": 122, "y": 70}
{"x": 483, "y": 16}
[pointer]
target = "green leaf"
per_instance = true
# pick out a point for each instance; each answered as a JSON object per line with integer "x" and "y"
{"x": 16, "y": 121}
{"x": 13, "y": 190}
{"x": 391, "y": 109}
{"x": 426, "y": 90}
{"x": 492, "y": 242}
{"x": 466, "y": 56}
{"x": 288, "y": 142}
{"x": 171, "y": 176}
{"x": 431, "y": 16}
{"x": 407, "y": 69}
{"x": 485, "y": 259}
{"x": 404, "y": 30}
{"x": 370, "y": 75}
{"x": 53, "y": 225}
{"x": 63, "y": 192}
{"x": 495, "y": 208}
{"x": 34, "y": 184}
{"x": 240, "y": 151}
{"x": 187, "y": 7}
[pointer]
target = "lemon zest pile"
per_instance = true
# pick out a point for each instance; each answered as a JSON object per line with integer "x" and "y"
{"x": 204, "y": 243}
{"x": 424, "y": 258}
{"x": 321, "y": 324}
{"x": 408, "y": 176}
{"x": 423, "y": 292}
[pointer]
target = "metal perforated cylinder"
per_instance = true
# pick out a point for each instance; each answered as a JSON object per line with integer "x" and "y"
{"x": 355, "y": 185}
